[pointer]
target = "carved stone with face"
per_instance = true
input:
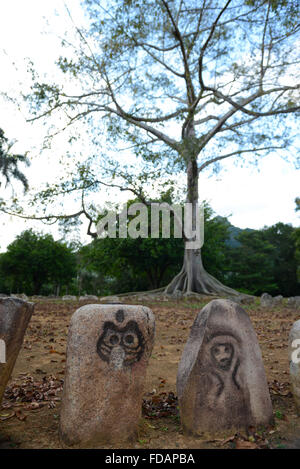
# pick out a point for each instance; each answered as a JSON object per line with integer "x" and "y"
{"x": 107, "y": 357}
{"x": 221, "y": 382}
{"x": 294, "y": 358}
{"x": 121, "y": 346}
{"x": 222, "y": 353}
{"x": 15, "y": 315}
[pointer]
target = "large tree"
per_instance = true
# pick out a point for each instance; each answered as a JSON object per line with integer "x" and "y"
{"x": 265, "y": 261}
{"x": 34, "y": 261}
{"x": 189, "y": 84}
{"x": 9, "y": 162}
{"x": 149, "y": 263}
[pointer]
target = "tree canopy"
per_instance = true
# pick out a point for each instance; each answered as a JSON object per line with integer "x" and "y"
{"x": 34, "y": 261}
{"x": 185, "y": 85}
{"x": 149, "y": 263}
{"x": 9, "y": 163}
{"x": 265, "y": 261}
{"x": 252, "y": 261}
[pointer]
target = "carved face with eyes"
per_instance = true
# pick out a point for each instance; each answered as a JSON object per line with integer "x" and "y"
{"x": 121, "y": 346}
{"x": 222, "y": 355}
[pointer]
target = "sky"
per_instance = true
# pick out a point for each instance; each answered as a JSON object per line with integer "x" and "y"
{"x": 252, "y": 197}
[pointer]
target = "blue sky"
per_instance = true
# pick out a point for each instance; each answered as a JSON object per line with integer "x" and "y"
{"x": 254, "y": 197}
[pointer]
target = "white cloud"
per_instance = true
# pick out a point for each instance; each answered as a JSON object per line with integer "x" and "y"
{"x": 253, "y": 198}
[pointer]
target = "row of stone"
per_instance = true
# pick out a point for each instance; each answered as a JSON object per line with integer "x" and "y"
{"x": 24, "y": 297}
{"x": 221, "y": 381}
{"x": 267, "y": 301}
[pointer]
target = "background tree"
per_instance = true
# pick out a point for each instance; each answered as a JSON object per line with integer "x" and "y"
{"x": 9, "y": 163}
{"x": 296, "y": 237}
{"x": 189, "y": 85}
{"x": 35, "y": 263}
{"x": 145, "y": 263}
{"x": 265, "y": 261}
{"x": 282, "y": 237}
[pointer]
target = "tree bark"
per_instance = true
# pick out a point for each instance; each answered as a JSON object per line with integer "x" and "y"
{"x": 193, "y": 278}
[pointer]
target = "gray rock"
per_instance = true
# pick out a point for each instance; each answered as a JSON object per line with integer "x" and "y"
{"x": 294, "y": 357}
{"x": 142, "y": 298}
{"x": 277, "y": 300}
{"x": 177, "y": 295}
{"x": 244, "y": 299}
{"x": 193, "y": 295}
{"x": 107, "y": 356}
{"x": 15, "y": 315}
{"x": 88, "y": 298}
{"x": 293, "y": 302}
{"x": 221, "y": 381}
{"x": 69, "y": 298}
{"x": 111, "y": 300}
{"x": 22, "y": 296}
{"x": 266, "y": 300}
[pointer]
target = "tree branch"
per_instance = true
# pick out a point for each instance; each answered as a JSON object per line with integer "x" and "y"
{"x": 241, "y": 106}
{"x": 204, "y": 47}
{"x": 238, "y": 152}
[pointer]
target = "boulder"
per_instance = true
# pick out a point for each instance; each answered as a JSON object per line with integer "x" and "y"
{"x": 111, "y": 300}
{"x": 294, "y": 357}
{"x": 88, "y": 298}
{"x": 22, "y": 296}
{"x": 197, "y": 296}
{"x": 221, "y": 381}
{"x": 15, "y": 315}
{"x": 107, "y": 356}
{"x": 266, "y": 300}
{"x": 69, "y": 298}
{"x": 244, "y": 299}
{"x": 277, "y": 300}
{"x": 293, "y": 302}
{"x": 177, "y": 295}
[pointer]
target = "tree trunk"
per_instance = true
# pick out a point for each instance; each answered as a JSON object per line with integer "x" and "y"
{"x": 193, "y": 277}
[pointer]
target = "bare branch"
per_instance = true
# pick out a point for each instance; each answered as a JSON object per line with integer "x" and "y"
{"x": 241, "y": 106}
{"x": 262, "y": 67}
{"x": 204, "y": 47}
{"x": 187, "y": 74}
{"x": 133, "y": 120}
{"x": 205, "y": 119}
{"x": 160, "y": 49}
{"x": 226, "y": 116}
{"x": 238, "y": 152}
{"x": 154, "y": 57}
{"x": 44, "y": 218}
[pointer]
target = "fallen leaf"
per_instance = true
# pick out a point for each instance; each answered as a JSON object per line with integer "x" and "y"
{"x": 6, "y": 416}
{"x": 242, "y": 444}
{"x": 230, "y": 438}
{"x": 20, "y": 415}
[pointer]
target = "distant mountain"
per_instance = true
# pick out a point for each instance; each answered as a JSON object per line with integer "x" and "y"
{"x": 234, "y": 231}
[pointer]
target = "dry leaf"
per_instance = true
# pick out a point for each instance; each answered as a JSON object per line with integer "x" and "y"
{"x": 242, "y": 444}
{"x": 6, "y": 416}
{"x": 20, "y": 415}
{"x": 230, "y": 438}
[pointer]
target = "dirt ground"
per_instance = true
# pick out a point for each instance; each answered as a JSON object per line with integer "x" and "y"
{"x": 29, "y": 416}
